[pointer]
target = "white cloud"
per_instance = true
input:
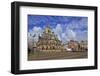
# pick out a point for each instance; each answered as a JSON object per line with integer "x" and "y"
{"x": 37, "y": 30}
{"x": 58, "y": 28}
{"x": 30, "y": 40}
{"x": 83, "y": 23}
{"x": 82, "y": 35}
{"x": 33, "y": 35}
{"x": 74, "y": 30}
{"x": 68, "y": 35}
{"x": 64, "y": 35}
{"x": 58, "y": 31}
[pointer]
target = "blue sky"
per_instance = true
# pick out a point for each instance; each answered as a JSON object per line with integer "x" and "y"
{"x": 65, "y": 27}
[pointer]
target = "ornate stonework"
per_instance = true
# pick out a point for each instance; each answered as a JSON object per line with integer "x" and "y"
{"x": 49, "y": 41}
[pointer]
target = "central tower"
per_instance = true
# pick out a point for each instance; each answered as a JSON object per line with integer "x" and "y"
{"x": 49, "y": 41}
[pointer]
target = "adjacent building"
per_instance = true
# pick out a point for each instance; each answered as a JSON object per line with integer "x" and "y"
{"x": 73, "y": 45}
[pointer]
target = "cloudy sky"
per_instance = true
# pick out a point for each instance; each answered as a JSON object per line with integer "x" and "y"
{"x": 65, "y": 27}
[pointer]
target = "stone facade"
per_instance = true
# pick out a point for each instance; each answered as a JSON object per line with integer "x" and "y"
{"x": 48, "y": 41}
{"x": 84, "y": 45}
{"x": 73, "y": 45}
{"x": 77, "y": 46}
